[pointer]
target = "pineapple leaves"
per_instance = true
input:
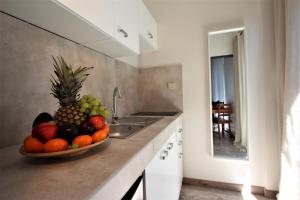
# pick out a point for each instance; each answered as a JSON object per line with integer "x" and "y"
{"x": 67, "y": 84}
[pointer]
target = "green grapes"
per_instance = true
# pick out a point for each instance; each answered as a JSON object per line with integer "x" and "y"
{"x": 92, "y": 106}
{"x": 93, "y": 113}
{"x": 85, "y": 105}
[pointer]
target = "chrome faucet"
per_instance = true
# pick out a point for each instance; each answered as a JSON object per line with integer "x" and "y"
{"x": 117, "y": 93}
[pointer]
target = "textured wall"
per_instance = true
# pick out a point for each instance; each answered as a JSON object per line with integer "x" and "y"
{"x": 127, "y": 80}
{"x": 26, "y": 66}
{"x": 153, "y": 92}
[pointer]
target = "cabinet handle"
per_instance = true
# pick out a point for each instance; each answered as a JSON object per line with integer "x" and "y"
{"x": 164, "y": 155}
{"x": 150, "y": 35}
{"x": 180, "y": 130}
{"x": 180, "y": 155}
{"x": 120, "y": 30}
{"x": 170, "y": 146}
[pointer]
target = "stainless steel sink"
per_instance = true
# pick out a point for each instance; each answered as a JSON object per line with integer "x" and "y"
{"x": 155, "y": 113}
{"x": 130, "y": 125}
{"x": 138, "y": 120}
{"x": 124, "y": 130}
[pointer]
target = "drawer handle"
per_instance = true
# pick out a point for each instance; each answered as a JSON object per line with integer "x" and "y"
{"x": 180, "y": 130}
{"x": 180, "y": 155}
{"x": 150, "y": 35}
{"x": 170, "y": 146}
{"x": 164, "y": 155}
{"x": 120, "y": 30}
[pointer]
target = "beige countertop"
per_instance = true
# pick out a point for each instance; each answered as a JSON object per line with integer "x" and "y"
{"x": 103, "y": 173}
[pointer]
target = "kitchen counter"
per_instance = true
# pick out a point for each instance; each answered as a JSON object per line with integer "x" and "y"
{"x": 103, "y": 173}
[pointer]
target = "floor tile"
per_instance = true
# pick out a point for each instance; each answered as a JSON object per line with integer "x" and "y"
{"x": 190, "y": 192}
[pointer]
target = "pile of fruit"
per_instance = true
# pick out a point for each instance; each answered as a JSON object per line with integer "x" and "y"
{"x": 77, "y": 123}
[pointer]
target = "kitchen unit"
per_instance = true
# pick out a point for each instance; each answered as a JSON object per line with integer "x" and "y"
{"x": 107, "y": 174}
{"x": 119, "y": 39}
{"x": 117, "y": 28}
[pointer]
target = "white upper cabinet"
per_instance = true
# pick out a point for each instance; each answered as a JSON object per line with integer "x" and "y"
{"x": 113, "y": 27}
{"x": 147, "y": 29}
{"x": 126, "y": 23}
{"x": 52, "y": 16}
{"x": 100, "y": 13}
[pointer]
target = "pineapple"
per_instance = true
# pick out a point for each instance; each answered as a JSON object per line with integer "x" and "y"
{"x": 66, "y": 87}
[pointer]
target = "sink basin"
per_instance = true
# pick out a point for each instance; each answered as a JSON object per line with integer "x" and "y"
{"x": 124, "y": 130}
{"x": 138, "y": 120}
{"x": 155, "y": 113}
{"x": 130, "y": 125}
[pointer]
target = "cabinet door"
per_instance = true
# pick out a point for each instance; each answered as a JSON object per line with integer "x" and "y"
{"x": 179, "y": 158}
{"x": 157, "y": 177}
{"x": 96, "y": 12}
{"x": 147, "y": 29}
{"x": 126, "y": 23}
{"x": 152, "y": 32}
{"x": 174, "y": 169}
{"x": 161, "y": 174}
{"x": 54, "y": 16}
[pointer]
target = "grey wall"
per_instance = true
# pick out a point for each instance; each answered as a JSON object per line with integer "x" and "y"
{"x": 127, "y": 81}
{"x": 26, "y": 66}
{"x": 153, "y": 92}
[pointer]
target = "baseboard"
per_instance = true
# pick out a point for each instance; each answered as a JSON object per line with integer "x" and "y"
{"x": 270, "y": 193}
{"x": 230, "y": 186}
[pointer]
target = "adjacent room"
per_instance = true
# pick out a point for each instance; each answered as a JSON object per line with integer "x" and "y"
{"x": 228, "y": 108}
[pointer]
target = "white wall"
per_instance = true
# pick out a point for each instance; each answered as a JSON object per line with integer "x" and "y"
{"x": 221, "y": 44}
{"x": 183, "y": 38}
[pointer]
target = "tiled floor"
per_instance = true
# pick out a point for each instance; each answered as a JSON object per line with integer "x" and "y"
{"x": 224, "y": 147}
{"x": 189, "y": 192}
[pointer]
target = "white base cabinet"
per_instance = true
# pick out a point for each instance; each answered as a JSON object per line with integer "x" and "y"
{"x": 164, "y": 173}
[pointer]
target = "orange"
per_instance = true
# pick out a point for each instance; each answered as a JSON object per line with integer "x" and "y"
{"x": 33, "y": 145}
{"x": 55, "y": 145}
{"x": 101, "y": 134}
{"x": 83, "y": 140}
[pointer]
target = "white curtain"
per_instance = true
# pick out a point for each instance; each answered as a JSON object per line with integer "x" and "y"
{"x": 218, "y": 79}
{"x": 287, "y": 41}
{"x": 222, "y": 79}
{"x": 240, "y": 90}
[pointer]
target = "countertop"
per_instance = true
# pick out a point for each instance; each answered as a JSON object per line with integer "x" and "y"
{"x": 103, "y": 173}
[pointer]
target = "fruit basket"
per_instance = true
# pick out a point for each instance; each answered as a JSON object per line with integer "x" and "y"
{"x": 77, "y": 126}
{"x": 65, "y": 153}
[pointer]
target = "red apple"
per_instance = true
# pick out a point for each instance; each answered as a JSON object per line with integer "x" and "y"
{"x": 45, "y": 131}
{"x": 97, "y": 121}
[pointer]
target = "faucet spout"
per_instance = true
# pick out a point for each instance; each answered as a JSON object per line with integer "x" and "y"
{"x": 116, "y": 94}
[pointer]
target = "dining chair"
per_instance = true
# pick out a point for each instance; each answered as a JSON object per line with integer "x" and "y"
{"x": 226, "y": 117}
{"x": 216, "y": 117}
{"x": 222, "y": 116}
